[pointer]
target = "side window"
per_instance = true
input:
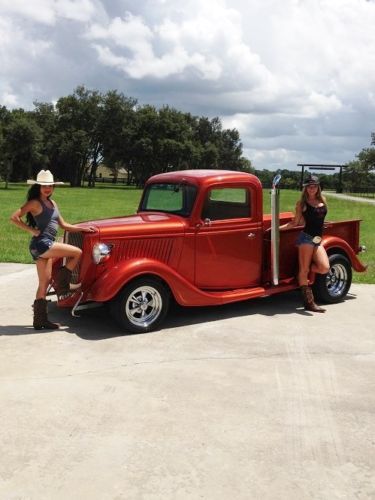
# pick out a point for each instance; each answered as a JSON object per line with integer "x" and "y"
{"x": 227, "y": 203}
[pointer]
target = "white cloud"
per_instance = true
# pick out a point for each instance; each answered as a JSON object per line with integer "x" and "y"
{"x": 8, "y": 99}
{"x": 18, "y": 50}
{"x": 47, "y": 12}
{"x": 141, "y": 44}
{"x": 295, "y": 77}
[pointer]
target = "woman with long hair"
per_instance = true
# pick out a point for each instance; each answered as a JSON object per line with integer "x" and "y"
{"x": 42, "y": 221}
{"x": 311, "y": 210}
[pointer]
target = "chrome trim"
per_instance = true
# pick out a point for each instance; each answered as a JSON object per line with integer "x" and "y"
{"x": 143, "y": 306}
{"x": 100, "y": 251}
{"x": 73, "y": 312}
{"x": 336, "y": 280}
{"x": 275, "y": 232}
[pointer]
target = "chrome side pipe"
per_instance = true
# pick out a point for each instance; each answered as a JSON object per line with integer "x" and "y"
{"x": 275, "y": 233}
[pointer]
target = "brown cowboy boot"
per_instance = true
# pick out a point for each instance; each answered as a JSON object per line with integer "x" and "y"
{"x": 41, "y": 317}
{"x": 63, "y": 285}
{"x": 308, "y": 300}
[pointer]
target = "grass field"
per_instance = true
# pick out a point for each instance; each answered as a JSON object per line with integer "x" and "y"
{"x": 80, "y": 204}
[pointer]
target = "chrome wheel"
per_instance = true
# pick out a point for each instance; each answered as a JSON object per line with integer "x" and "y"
{"x": 333, "y": 286}
{"x": 337, "y": 280}
{"x": 143, "y": 306}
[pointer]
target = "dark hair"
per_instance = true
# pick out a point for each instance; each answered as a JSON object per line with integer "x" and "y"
{"x": 32, "y": 194}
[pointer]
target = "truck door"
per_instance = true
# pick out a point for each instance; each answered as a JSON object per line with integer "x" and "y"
{"x": 228, "y": 247}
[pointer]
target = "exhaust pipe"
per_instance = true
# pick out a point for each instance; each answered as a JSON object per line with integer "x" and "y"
{"x": 275, "y": 233}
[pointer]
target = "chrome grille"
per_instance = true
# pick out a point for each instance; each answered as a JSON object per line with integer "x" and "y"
{"x": 75, "y": 239}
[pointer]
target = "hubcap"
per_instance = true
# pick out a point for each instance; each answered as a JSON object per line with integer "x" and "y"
{"x": 336, "y": 280}
{"x": 143, "y": 306}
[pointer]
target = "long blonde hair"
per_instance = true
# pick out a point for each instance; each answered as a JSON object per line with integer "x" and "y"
{"x": 318, "y": 196}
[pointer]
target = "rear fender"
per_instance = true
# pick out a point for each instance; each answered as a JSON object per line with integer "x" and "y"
{"x": 341, "y": 246}
{"x": 107, "y": 286}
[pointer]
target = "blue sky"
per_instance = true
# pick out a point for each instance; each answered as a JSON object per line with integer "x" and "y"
{"x": 296, "y": 78}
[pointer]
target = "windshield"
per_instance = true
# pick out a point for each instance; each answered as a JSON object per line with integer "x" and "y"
{"x": 172, "y": 198}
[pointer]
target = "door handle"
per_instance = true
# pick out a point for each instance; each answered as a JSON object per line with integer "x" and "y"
{"x": 250, "y": 236}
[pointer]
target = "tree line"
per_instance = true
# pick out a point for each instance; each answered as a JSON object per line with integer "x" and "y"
{"x": 88, "y": 128}
{"x": 359, "y": 174}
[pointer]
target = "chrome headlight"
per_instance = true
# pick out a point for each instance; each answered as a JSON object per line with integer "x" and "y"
{"x": 101, "y": 252}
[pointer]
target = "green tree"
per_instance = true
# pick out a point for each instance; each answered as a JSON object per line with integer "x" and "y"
{"x": 45, "y": 116}
{"x": 78, "y": 129}
{"x": 117, "y": 131}
{"x": 359, "y": 174}
{"x": 4, "y": 120}
{"x": 144, "y": 158}
{"x": 86, "y": 128}
{"x": 21, "y": 145}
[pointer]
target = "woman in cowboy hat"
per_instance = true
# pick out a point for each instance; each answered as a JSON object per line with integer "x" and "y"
{"x": 311, "y": 210}
{"x": 42, "y": 221}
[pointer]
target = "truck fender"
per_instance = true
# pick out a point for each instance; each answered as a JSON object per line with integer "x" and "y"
{"x": 107, "y": 286}
{"x": 332, "y": 242}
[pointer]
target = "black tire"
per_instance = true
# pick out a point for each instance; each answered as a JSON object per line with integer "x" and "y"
{"x": 142, "y": 305}
{"x": 333, "y": 286}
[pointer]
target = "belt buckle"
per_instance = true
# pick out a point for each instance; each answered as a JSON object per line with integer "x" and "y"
{"x": 317, "y": 240}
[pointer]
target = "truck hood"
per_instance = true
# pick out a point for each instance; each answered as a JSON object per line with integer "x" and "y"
{"x": 143, "y": 223}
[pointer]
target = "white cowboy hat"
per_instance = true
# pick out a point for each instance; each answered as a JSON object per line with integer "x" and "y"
{"x": 44, "y": 178}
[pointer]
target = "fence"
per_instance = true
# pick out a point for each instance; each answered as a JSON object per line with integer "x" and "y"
{"x": 112, "y": 180}
{"x": 365, "y": 192}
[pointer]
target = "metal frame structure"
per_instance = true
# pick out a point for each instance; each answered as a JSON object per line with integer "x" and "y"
{"x": 319, "y": 166}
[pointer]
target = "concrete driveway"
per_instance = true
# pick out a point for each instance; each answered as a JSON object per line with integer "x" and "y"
{"x": 257, "y": 400}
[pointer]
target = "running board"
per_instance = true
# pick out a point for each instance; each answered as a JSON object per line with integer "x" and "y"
{"x": 252, "y": 293}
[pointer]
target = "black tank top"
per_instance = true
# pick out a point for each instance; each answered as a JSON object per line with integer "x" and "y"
{"x": 314, "y": 219}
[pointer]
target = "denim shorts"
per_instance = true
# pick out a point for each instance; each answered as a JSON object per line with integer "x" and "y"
{"x": 306, "y": 239}
{"x": 40, "y": 245}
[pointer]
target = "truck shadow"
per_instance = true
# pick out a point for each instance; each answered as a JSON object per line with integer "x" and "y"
{"x": 284, "y": 304}
{"x": 97, "y": 324}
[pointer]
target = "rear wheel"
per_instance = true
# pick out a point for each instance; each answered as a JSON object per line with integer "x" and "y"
{"x": 333, "y": 286}
{"x": 142, "y": 305}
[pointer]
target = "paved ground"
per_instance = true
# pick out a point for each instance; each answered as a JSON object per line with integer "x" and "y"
{"x": 257, "y": 400}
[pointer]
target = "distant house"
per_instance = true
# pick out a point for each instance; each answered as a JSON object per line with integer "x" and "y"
{"x": 109, "y": 174}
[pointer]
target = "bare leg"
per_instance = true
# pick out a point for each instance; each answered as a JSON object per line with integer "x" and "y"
{"x": 305, "y": 254}
{"x": 320, "y": 262}
{"x": 41, "y": 321}
{"x": 62, "y": 281}
{"x": 44, "y": 268}
{"x": 70, "y": 252}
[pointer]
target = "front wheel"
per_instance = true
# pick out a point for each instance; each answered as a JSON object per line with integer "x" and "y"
{"x": 142, "y": 305}
{"x": 333, "y": 286}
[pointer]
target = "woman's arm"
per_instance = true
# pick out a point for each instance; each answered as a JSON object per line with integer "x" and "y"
{"x": 298, "y": 219}
{"x": 74, "y": 229}
{"x": 69, "y": 227}
{"x": 16, "y": 217}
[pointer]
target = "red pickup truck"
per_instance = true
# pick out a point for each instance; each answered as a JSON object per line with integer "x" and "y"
{"x": 200, "y": 236}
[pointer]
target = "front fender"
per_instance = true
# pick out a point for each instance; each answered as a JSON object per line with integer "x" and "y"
{"x": 112, "y": 281}
{"x": 332, "y": 242}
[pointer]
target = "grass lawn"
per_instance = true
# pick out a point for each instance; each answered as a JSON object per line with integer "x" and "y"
{"x": 78, "y": 204}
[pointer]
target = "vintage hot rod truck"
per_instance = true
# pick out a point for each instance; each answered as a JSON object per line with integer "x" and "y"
{"x": 200, "y": 236}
